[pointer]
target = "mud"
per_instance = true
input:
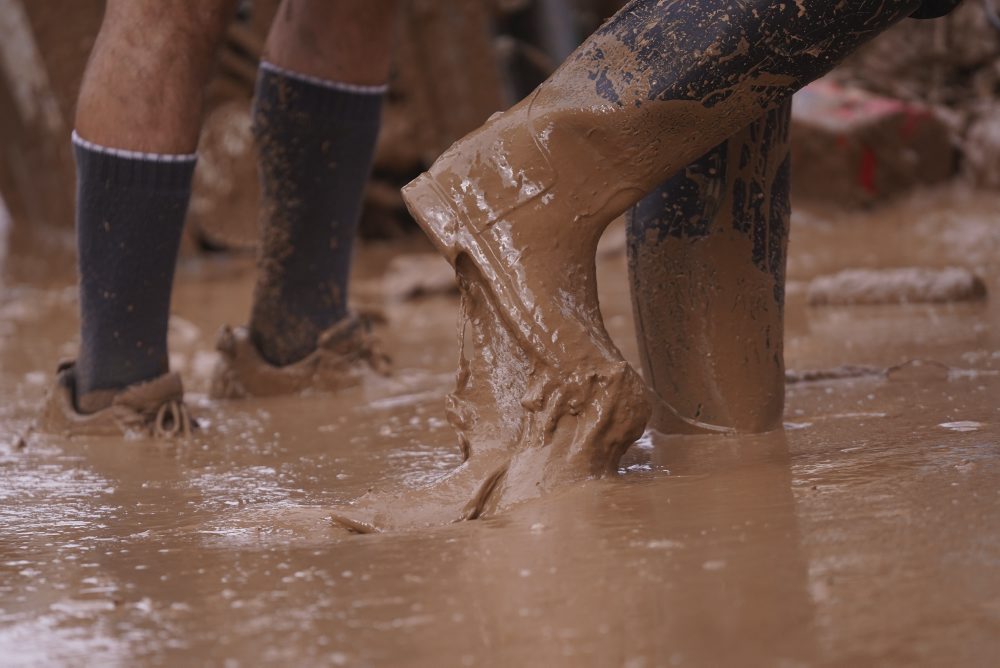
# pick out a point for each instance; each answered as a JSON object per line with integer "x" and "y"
{"x": 906, "y": 285}
{"x": 865, "y": 536}
{"x": 345, "y": 354}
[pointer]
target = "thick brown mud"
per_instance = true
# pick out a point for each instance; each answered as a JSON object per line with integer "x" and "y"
{"x": 864, "y": 534}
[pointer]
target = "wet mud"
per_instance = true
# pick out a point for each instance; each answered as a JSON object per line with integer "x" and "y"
{"x": 862, "y": 534}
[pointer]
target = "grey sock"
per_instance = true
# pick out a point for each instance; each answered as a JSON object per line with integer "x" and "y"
{"x": 316, "y": 141}
{"x": 130, "y": 213}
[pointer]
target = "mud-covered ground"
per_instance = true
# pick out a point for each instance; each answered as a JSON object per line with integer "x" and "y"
{"x": 865, "y": 533}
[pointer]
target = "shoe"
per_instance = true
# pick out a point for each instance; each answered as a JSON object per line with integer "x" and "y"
{"x": 344, "y": 355}
{"x": 151, "y": 409}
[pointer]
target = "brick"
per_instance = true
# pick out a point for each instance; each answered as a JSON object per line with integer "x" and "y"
{"x": 855, "y": 148}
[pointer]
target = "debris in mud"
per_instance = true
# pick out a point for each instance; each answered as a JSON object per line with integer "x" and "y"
{"x": 962, "y": 426}
{"x": 908, "y": 285}
{"x": 982, "y": 149}
{"x": 910, "y": 370}
{"x": 952, "y": 63}
{"x": 842, "y": 372}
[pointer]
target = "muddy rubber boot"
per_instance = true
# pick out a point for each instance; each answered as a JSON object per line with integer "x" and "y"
{"x": 707, "y": 252}
{"x": 152, "y": 409}
{"x": 345, "y": 354}
{"x": 518, "y": 206}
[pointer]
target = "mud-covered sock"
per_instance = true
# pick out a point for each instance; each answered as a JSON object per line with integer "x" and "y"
{"x": 316, "y": 140}
{"x": 129, "y": 217}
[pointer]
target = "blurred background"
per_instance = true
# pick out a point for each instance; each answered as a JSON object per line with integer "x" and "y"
{"x": 917, "y": 106}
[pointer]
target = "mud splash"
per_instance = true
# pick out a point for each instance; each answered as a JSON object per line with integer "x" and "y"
{"x": 701, "y": 551}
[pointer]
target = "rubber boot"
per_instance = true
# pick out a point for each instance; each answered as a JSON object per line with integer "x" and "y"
{"x": 707, "y": 252}
{"x": 518, "y": 206}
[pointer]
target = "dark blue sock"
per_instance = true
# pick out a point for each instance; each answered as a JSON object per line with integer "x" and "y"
{"x": 316, "y": 141}
{"x": 129, "y": 217}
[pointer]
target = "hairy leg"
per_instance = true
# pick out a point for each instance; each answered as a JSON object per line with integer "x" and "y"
{"x": 336, "y": 40}
{"x": 144, "y": 84}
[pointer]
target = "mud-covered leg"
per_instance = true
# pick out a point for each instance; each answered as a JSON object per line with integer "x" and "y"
{"x": 518, "y": 207}
{"x": 317, "y": 111}
{"x": 707, "y": 255}
{"x": 316, "y": 115}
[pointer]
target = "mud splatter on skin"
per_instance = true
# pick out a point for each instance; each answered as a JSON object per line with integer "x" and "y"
{"x": 519, "y": 205}
{"x": 707, "y": 254}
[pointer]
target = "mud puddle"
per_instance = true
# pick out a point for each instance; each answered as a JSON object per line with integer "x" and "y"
{"x": 865, "y": 533}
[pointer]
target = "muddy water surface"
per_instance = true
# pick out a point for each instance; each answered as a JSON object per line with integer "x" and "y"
{"x": 866, "y": 532}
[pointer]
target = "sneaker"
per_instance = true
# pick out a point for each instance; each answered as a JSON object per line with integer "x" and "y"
{"x": 344, "y": 355}
{"x": 151, "y": 409}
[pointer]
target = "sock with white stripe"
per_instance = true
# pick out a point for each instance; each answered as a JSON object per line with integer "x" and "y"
{"x": 316, "y": 140}
{"x": 129, "y": 217}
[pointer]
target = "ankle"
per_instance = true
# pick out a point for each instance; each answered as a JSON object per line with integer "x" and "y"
{"x": 283, "y": 344}
{"x": 284, "y": 330}
{"x": 92, "y": 402}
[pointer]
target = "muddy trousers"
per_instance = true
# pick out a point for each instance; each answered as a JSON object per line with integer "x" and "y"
{"x": 709, "y": 322}
{"x": 707, "y": 252}
{"x": 649, "y": 93}
{"x": 710, "y": 337}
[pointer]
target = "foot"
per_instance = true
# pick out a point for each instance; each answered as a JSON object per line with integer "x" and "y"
{"x": 544, "y": 399}
{"x": 344, "y": 355}
{"x": 152, "y": 409}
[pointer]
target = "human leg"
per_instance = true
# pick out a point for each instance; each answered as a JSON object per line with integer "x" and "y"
{"x": 707, "y": 252}
{"x": 137, "y": 126}
{"x": 316, "y": 118}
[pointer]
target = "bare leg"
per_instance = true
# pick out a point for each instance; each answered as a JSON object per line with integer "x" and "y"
{"x": 145, "y": 81}
{"x": 707, "y": 252}
{"x": 336, "y": 40}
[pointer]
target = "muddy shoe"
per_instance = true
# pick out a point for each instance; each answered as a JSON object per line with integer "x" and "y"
{"x": 154, "y": 409}
{"x": 344, "y": 355}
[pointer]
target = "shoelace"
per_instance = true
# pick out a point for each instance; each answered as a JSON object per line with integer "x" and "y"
{"x": 172, "y": 420}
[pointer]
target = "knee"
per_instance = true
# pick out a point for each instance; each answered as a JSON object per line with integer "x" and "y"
{"x": 187, "y": 30}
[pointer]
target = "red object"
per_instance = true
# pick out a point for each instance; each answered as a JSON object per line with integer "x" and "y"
{"x": 866, "y": 174}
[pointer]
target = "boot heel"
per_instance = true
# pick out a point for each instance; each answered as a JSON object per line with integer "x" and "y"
{"x": 435, "y": 216}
